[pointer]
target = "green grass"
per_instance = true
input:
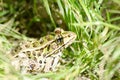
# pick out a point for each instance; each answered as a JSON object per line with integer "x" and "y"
{"x": 96, "y": 51}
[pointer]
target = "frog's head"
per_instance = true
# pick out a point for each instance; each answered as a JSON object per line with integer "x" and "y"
{"x": 66, "y": 37}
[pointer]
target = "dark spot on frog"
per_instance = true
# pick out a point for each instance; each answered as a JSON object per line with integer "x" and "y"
{"x": 50, "y": 68}
{"x": 28, "y": 53}
{"x": 34, "y": 53}
{"x": 59, "y": 40}
{"x": 40, "y": 62}
{"x": 32, "y": 66}
{"x": 41, "y": 41}
{"x": 27, "y": 46}
{"x": 35, "y": 58}
{"x": 69, "y": 35}
{"x": 29, "y": 57}
{"x": 48, "y": 47}
{"x": 45, "y": 62}
{"x": 16, "y": 56}
{"x": 38, "y": 54}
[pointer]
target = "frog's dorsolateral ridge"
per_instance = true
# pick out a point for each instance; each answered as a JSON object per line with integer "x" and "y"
{"x": 35, "y": 56}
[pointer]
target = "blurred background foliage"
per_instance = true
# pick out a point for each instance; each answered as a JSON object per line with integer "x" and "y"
{"x": 31, "y": 17}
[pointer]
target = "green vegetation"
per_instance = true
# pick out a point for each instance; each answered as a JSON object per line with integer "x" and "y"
{"x": 94, "y": 55}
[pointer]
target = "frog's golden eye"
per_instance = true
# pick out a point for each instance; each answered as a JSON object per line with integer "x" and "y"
{"x": 58, "y": 31}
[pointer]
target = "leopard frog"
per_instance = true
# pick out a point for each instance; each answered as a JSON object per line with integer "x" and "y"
{"x": 43, "y": 55}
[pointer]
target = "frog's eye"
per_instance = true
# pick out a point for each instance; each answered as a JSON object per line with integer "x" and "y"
{"x": 58, "y": 31}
